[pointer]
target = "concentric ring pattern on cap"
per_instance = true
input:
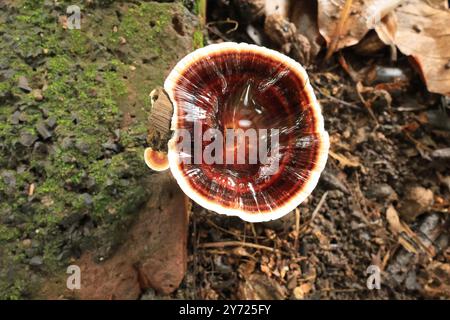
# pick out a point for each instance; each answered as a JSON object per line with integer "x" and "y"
{"x": 216, "y": 83}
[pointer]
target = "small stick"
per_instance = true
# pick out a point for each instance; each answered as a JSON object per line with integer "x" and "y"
{"x": 319, "y": 205}
{"x": 345, "y": 103}
{"x": 238, "y": 236}
{"x": 217, "y": 33}
{"x": 228, "y": 21}
{"x": 339, "y": 290}
{"x": 238, "y": 244}
{"x": 297, "y": 228}
{"x": 255, "y": 235}
{"x": 345, "y": 12}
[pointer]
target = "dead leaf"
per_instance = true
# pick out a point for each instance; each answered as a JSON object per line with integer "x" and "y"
{"x": 370, "y": 45}
{"x": 277, "y": 7}
{"x": 427, "y": 22}
{"x": 398, "y": 228}
{"x": 374, "y": 95}
{"x": 260, "y": 287}
{"x": 437, "y": 280}
{"x": 386, "y": 31}
{"x": 406, "y": 237}
{"x": 247, "y": 268}
{"x": 361, "y": 16}
{"x": 393, "y": 220}
{"x": 375, "y": 92}
{"x": 302, "y": 291}
{"x": 266, "y": 269}
{"x": 323, "y": 240}
{"x": 416, "y": 201}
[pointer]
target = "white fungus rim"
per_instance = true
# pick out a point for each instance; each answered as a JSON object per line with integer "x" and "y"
{"x": 183, "y": 181}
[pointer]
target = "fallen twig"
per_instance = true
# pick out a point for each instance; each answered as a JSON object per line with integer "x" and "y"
{"x": 212, "y": 224}
{"x": 345, "y": 103}
{"x": 239, "y": 244}
{"x": 337, "y": 34}
{"x": 297, "y": 228}
{"x": 319, "y": 205}
{"x": 228, "y": 21}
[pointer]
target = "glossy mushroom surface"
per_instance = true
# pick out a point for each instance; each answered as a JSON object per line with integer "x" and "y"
{"x": 241, "y": 86}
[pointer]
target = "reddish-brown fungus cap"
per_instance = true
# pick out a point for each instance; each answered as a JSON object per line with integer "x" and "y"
{"x": 232, "y": 85}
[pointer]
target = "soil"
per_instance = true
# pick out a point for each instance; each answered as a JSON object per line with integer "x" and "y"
{"x": 74, "y": 188}
{"x": 378, "y": 159}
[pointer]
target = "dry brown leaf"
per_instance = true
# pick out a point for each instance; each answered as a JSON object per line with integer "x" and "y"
{"x": 415, "y": 202}
{"x": 363, "y": 16}
{"x": 437, "y": 280}
{"x": 277, "y": 7}
{"x": 302, "y": 291}
{"x": 260, "y": 287}
{"x": 398, "y": 228}
{"x": 247, "y": 268}
{"x": 386, "y": 31}
{"x": 422, "y": 31}
{"x": 374, "y": 93}
{"x": 407, "y": 238}
{"x": 323, "y": 240}
{"x": 266, "y": 269}
{"x": 393, "y": 220}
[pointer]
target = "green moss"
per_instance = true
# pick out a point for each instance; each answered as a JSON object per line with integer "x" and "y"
{"x": 197, "y": 39}
{"x": 4, "y": 86}
{"x": 115, "y": 86}
{"x": 200, "y": 11}
{"x": 58, "y": 65}
{"x": 142, "y": 24}
{"x": 12, "y": 291}
{"x": 78, "y": 42}
{"x": 87, "y": 85}
{"x": 8, "y": 234}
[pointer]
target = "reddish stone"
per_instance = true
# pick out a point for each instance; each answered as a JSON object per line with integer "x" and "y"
{"x": 153, "y": 256}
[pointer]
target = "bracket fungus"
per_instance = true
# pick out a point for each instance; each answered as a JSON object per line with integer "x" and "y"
{"x": 156, "y": 160}
{"x": 248, "y": 134}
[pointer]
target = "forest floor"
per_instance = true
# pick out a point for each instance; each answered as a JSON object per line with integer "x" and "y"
{"x": 73, "y": 108}
{"x": 382, "y": 200}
